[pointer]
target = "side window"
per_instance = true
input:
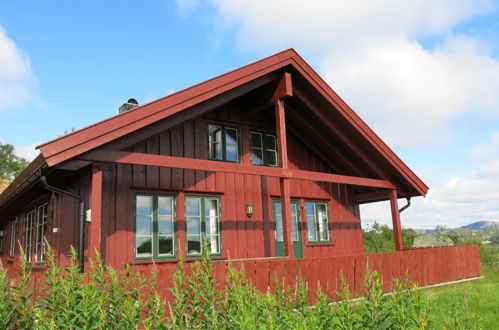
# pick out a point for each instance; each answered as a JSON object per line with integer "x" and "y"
{"x": 263, "y": 149}
{"x": 12, "y": 248}
{"x": 41, "y": 229}
{"x": 28, "y": 234}
{"x": 154, "y": 226}
{"x": 202, "y": 214}
{"x": 317, "y": 222}
{"x": 223, "y": 143}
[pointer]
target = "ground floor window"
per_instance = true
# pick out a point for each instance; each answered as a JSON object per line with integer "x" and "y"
{"x": 154, "y": 226}
{"x": 317, "y": 219}
{"x": 41, "y": 229}
{"x": 28, "y": 234}
{"x": 202, "y": 214}
{"x": 12, "y": 247}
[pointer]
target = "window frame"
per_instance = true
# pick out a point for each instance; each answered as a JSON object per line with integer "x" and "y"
{"x": 29, "y": 227}
{"x": 203, "y": 225}
{"x": 317, "y": 222}
{"x": 40, "y": 239}
{"x": 12, "y": 243}
{"x": 263, "y": 136}
{"x": 224, "y": 142}
{"x": 155, "y": 255}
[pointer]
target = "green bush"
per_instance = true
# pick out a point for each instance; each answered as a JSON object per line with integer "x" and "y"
{"x": 106, "y": 298}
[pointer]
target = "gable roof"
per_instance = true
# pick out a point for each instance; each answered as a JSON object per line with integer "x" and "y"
{"x": 244, "y": 80}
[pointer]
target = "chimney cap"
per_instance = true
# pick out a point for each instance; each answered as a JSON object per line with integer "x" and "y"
{"x": 129, "y": 105}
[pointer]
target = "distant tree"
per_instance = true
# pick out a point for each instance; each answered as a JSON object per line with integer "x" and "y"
{"x": 380, "y": 238}
{"x": 10, "y": 164}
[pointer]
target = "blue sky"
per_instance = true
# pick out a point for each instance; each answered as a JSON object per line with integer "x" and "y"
{"x": 423, "y": 74}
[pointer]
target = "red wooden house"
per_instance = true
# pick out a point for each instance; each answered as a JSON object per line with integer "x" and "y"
{"x": 263, "y": 163}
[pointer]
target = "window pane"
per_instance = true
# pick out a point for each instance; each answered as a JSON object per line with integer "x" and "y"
{"x": 193, "y": 244}
{"x": 143, "y": 245}
{"x": 214, "y": 142}
{"x": 165, "y": 205}
{"x": 323, "y": 222}
{"x": 295, "y": 222}
{"x": 143, "y": 225}
{"x": 270, "y": 142}
{"x": 257, "y": 156}
{"x": 211, "y": 216}
{"x": 144, "y": 205}
{"x": 193, "y": 206}
{"x": 278, "y": 223}
{"x": 165, "y": 225}
{"x": 310, "y": 218}
{"x": 213, "y": 243}
{"x": 231, "y": 136}
{"x": 270, "y": 157}
{"x": 256, "y": 140}
{"x": 231, "y": 153}
{"x": 165, "y": 245}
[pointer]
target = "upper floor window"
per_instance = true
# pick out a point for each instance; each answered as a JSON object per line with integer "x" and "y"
{"x": 223, "y": 143}
{"x": 41, "y": 229}
{"x": 28, "y": 234}
{"x": 202, "y": 214}
{"x": 317, "y": 222}
{"x": 154, "y": 226}
{"x": 263, "y": 149}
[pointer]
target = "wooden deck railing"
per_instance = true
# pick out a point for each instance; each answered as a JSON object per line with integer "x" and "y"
{"x": 426, "y": 266}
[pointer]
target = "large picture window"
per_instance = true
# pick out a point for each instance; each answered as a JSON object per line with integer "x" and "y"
{"x": 154, "y": 226}
{"x": 202, "y": 214}
{"x": 263, "y": 149}
{"x": 317, "y": 222}
{"x": 223, "y": 143}
{"x": 41, "y": 229}
{"x": 28, "y": 234}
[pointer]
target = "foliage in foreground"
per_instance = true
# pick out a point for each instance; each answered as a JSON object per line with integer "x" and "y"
{"x": 108, "y": 298}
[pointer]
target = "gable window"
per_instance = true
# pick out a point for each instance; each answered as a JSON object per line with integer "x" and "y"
{"x": 263, "y": 149}
{"x": 154, "y": 226}
{"x": 202, "y": 214}
{"x": 28, "y": 234}
{"x": 317, "y": 222}
{"x": 223, "y": 143}
{"x": 41, "y": 229}
{"x": 12, "y": 247}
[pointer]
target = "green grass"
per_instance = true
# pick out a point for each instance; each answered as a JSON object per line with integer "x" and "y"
{"x": 482, "y": 297}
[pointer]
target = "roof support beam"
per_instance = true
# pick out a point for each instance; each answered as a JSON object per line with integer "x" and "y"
{"x": 280, "y": 122}
{"x": 397, "y": 230}
{"x": 372, "y": 196}
{"x": 283, "y": 90}
{"x": 135, "y": 158}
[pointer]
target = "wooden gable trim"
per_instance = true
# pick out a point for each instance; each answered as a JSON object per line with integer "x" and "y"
{"x": 325, "y": 90}
{"x": 135, "y": 158}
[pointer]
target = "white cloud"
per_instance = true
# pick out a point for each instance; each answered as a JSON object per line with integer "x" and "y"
{"x": 27, "y": 151}
{"x": 16, "y": 77}
{"x": 455, "y": 202}
{"x": 369, "y": 53}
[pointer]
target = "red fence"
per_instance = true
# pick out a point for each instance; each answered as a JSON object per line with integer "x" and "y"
{"x": 425, "y": 266}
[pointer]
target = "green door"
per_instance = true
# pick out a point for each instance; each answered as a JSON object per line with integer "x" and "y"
{"x": 296, "y": 234}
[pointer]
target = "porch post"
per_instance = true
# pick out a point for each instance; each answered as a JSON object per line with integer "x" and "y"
{"x": 285, "y": 187}
{"x": 94, "y": 239}
{"x": 397, "y": 230}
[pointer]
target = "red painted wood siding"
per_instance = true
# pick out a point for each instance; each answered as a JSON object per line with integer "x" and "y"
{"x": 242, "y": 237}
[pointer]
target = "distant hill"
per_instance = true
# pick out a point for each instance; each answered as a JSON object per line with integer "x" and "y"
{"x": 482, "y": 225}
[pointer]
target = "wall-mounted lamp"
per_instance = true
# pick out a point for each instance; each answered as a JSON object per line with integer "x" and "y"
{"x": 249, "y": 210}
{"x": 1, "y": 233}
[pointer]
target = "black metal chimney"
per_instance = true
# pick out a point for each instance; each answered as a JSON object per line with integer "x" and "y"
{"x": 129, "y": 105}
